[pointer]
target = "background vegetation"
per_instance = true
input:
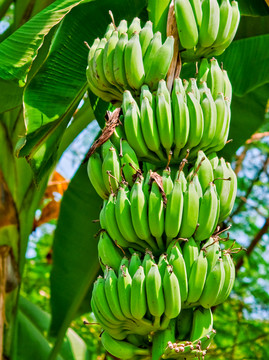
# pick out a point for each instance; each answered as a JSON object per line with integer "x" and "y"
{"x": 48, "y": 254}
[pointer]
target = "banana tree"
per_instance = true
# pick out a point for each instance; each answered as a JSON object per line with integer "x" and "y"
{"x": 43, "y": 59}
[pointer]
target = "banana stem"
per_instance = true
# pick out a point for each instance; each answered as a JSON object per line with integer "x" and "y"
{"x": 160, "y": 243}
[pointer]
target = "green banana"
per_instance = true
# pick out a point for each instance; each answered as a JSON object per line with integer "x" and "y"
{"x": 135, "y": 262}
{"x": 197, "y": 10}
{"x": 203, "y": 71}
{"x": 134, "y": 135}
{"x": 139, "y": 213}
{"x": 145, "y": 36}
{"x": 210, "y": 119}
{"x": 111, "y": 224}
{"x": 160, "y": 63}
{"x": 193, "y": 88}
{"x": 149, "y": 126}
{"x": 138, "y": 294}
{"x": 202, "y": 323}
{"x": 128, "y": 157}
{"x": 227, "y": 206}
{"x": 109, "y": 254}
{"x": 181, "y": 121}
{"x": 186, "y": 24}
{"x": 155, "y": 296}
{"x": 209, "y": 28}
{"x": 102, "y": 215}
{"x": 154, "y": 45}
{"x": 94, "y": 170}
{"x": 197, "y": 185}
{"x": 133, "y": 62}
{"x": 111, "y": 291}
{"x": 225, "y": 22}
{"x": 179, "y": 267}
{"x": 108, "y": 58}
{"x": 227, "y": 85}
{"x": 190, "y": 254}
{"x": 173, "y": 214}
{"x": 111, "y": 166}
{"x": 118, "y": 62}
{"x": 124, "y": 291}
{"x": 196, "y": 122}
{"x": 223, "y": 124}
{"x": 215, "y": 79}
{"x": 197, "y": 278}
{"x": 178, "y": 88}
{"x": 232, "y": 31}
{"x": 121, "y": 349}
{"x": 123, "y": 216}
{"x": 213, "y": 285}
{"x": 164, "y": 120}
{"x": 161, "y": 339}
{"x": 105, "y": 148}
{"x": 171, "y": 291}
{"x": 208, "y": 213}
{"x": 156, "y": 214}
{"x": 229, "y": 278}
{"x": 190, "y": 211}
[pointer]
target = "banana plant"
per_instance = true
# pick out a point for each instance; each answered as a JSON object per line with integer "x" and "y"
{"x": 43, "y": 59}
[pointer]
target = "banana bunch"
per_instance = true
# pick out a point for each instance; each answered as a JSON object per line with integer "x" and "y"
{"x": 161, "y": 207}
{"x": 139, "y": 298}
{"x": 204, "y": 272}
{"x": 126, "y": 58}
{"x": 206, "y": 28}
{"x": 194, "y": 117}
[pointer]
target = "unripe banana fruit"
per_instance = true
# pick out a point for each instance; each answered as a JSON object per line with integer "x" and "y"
{"x": 127, "y": 58}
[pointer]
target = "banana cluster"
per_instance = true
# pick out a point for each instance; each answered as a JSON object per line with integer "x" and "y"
{"x": 194, "y": 117}
{"x": 161, "y": 207}
{"x": 127, "y": 58}
{"x": 206, "y": 28}
{"x": 140, "y": 297}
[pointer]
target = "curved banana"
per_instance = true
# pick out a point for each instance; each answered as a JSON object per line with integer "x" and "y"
{"x": 133, "y": 62}
{"x": 162, "y": 264}
{"x": 121, "y": 349}
{"x": 215, "y": 79}
{"x": 197, "y": 10}
{"x": 210, "y": 23}
{"x": 213, "y": 285}
{"x": 173, "y": 214}
{"x": 190, "y": 211}
{"x": 108, "y": 58}
{"x": 179, "y": 267}
{"x": 197, "y": 278}
{"x": 111, "y": 291}
{"x": 205, "y": 170}
{"x": 138, "y": 294}
{"x": 122, "y": 27}
{"x": 229, "y": 278}
{"x": 134, "y": 28}
{"x": 102, "y": 215}
{"x": 124, "y": 291}
{"x": 145, "y": 36}
{"x": 148, "y": 261}
{"x": 154, "y": 45}
{"x": 208, "y": 213}
{"x": 156, "y": 214}
{"x": 227, "y": 206}
{"x": 109, "y": 254}
{"x": 160, "y": 63}
{"x": 155, "y": 296}
{"x": 94, "y": 170}
{"x": 186, "y": 24}
{"x": 181, "y": 120}
{"x": 225, "y": 22}
{"x": 118, "y": 62}
{"x": 171, "y": 291}
{"x": 212, "y": 251}
{"x": 111, "y": 166}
